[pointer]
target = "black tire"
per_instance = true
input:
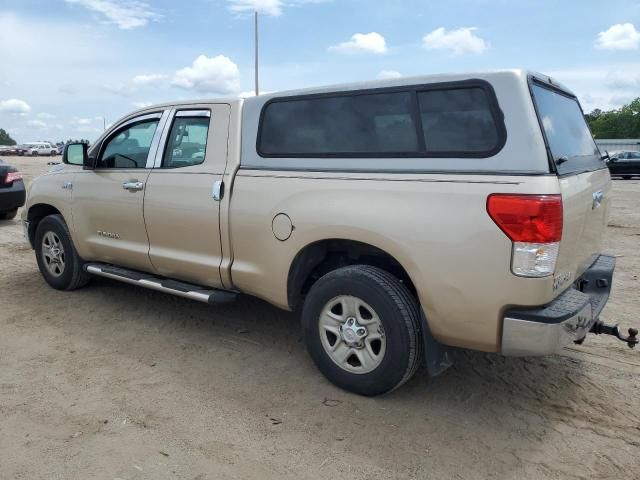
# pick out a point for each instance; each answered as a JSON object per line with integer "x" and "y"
{"x": 11, "y": 214}
{"x": 398, "y": 312}
{"x": 73, "y": 276}
{"x": 626, "y": 177}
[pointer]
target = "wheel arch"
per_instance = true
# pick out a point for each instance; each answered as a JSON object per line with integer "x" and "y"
{"x": 323, "y": 256}
{"x": 35, "y": 214}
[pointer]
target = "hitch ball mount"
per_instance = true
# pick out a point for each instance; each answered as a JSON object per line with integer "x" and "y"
{"x": 601, "y": 328}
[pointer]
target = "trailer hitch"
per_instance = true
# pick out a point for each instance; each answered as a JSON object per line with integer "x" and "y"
{"x": 601, "y": 328}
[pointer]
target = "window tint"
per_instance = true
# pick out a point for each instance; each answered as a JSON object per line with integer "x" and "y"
{"x": 187, "y": 142}
{"x": 363, "y": 125}
{"x": 130, "y": 147}
{"x": 564, "y": 125}
{"x": 457, "y": 120}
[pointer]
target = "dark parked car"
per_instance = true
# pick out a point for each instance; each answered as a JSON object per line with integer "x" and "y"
{"x": 12, "y": 192}
{"x": 624, "y": 164}
{"x": 8, "y": 150}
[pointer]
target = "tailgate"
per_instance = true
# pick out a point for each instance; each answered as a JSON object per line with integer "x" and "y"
{"x": 585, "y": 202}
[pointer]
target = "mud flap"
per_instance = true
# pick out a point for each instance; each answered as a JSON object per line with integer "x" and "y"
{"x": 438, "y": 357}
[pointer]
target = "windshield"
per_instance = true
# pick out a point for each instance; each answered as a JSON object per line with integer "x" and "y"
{"x": 566, "y": 130}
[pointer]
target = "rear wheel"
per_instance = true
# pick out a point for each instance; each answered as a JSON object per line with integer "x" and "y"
{"x": 362, "y": 329}
{"x": 626, "y": 177}
{"x": 8, "y": 215}
{"x": 58, "y": 261}
{"x": 34, "y": 153}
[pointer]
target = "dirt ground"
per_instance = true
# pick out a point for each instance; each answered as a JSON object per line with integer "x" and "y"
{"x": 116, "y": 382}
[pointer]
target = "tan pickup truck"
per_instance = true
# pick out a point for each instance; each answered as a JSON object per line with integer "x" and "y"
{"x": 401, "y": 218}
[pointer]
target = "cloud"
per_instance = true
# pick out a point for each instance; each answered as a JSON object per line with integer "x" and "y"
{"x": 362, "y": 43}
{"x": 46, "y": 116}
{"x": 152, "y": 79}
{"x": 37, "y": 124}
{"x": 141, "y": 104}
{"x": 621, "y": 36}
{"x": 458, "y": 42}
{"x": 267, "y": 7}
{"x": 209, "y": 75}
{"x": 14, "y": 105}
{"x": 86, "y": 121}
{"x": 125, "y": 14}
{"x": 388, "y": 75}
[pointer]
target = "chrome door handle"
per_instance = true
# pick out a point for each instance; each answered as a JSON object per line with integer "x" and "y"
{"x": 133, "y": 185}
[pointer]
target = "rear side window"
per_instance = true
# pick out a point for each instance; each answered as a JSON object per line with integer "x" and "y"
{"x": 187, "y": 142}
{"x": 457, "y": 120}
{"x": 346, "y": 124}
{"x": 432, "y": 121}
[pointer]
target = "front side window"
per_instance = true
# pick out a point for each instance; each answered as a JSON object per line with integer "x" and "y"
{"x": 130, "y": 147}
{"x": 187, "y": 142}
{"x": 341, "y": 125}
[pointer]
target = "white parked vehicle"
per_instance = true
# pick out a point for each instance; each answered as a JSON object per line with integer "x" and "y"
{"x": 40, "y": 148}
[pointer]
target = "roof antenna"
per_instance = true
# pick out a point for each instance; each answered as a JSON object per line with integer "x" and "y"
{"x": 256, "y": 51}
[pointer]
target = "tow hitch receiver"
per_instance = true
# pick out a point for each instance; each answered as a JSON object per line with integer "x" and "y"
{"x": 601, "y": 328}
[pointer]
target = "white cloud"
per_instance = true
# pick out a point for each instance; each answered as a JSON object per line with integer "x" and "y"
{"x": 209, "y": 75}
{"x": 622, "y": 36}
{"x": 152, "y": 79}
{"x": 267, "y": 7}
{"x": 14, "y": 105}
{"x": 37, "y": 124}
{"x": 86, "y": 121}
{"x": 458, "y": 42}
{"x": 388, "y": 75}
{"x": 46, "y": 116}
{"x": 124, "y": 14}
{"x": 362, "y": 43}
{"x": 141, "y": 104}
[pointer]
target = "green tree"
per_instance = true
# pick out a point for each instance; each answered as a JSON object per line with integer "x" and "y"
{"x": 620, "y": 123}
{"x": 5, "y": 138}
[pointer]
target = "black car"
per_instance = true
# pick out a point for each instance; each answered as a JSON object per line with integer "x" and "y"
{"x": 624, "y": 164}
{"x": 12, "y": 192}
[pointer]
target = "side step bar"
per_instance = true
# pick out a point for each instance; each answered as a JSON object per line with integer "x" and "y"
{"x": 174, "y": 287}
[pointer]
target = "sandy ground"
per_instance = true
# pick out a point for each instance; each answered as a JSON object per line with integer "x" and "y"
{"x": 116, "y": 382}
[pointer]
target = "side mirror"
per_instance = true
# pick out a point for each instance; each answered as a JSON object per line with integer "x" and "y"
{"x": 76, "y": 154}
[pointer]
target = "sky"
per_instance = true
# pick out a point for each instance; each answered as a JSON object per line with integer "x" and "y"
{"x": 70, "y": 67}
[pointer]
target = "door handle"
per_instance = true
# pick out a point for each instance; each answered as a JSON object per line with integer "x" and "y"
{"x": 133, "y": 185}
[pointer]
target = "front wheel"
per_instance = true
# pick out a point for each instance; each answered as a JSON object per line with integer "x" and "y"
{"x": 362, "y": 329}
{"x": 58, "y": 261}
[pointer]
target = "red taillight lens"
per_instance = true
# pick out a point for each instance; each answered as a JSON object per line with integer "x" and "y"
{"x": 527, "y": 218}
{"x": 12, "y": 177}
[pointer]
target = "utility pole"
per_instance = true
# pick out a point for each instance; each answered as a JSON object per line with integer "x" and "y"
{"x": 256, "y": 40}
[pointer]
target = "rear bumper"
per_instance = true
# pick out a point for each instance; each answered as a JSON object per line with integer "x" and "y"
{"x": 547, "y": 329}
{"x": 12, "y": 197}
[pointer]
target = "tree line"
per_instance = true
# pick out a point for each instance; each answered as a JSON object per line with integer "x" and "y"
{"x": 623, "y": 122}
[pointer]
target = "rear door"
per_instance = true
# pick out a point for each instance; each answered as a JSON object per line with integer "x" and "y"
{"x": 584, "y": 178}
{"x": 181, "y": 214}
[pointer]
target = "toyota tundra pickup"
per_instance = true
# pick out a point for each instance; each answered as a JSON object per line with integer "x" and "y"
{"x": 400, "y": 218}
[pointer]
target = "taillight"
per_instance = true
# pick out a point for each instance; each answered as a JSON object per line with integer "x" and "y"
{"x": 534, "y": 224}
{"x": 12, "y": 177}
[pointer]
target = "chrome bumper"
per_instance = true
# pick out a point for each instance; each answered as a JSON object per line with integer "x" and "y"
{"x": 547, "y": 329}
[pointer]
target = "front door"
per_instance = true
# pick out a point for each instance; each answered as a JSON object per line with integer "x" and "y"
{"x": 107, "y": 205}
{"x": 182, "y": 217}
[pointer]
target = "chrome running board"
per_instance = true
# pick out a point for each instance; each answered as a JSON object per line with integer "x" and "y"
{"x": 175, "y": 287}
